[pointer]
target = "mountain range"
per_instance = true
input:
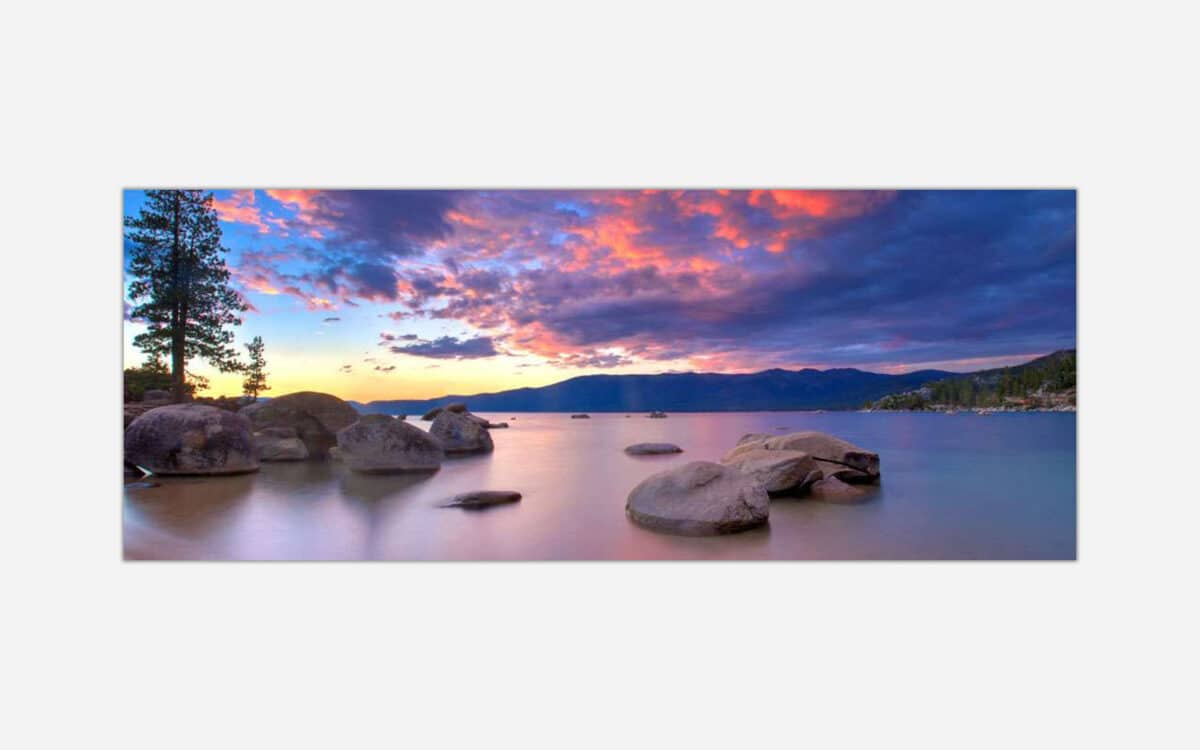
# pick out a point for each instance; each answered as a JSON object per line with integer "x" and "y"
{"x": 769, "y": 390}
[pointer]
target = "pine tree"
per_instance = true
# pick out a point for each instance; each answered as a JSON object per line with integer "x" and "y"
{"x": 181, "y": 284}
{"x": 256, "y": 375}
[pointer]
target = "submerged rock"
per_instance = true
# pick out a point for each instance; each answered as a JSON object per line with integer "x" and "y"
{"x": 834, "y": 490}
{"x": 380, "y": 444}
{"x": 657, "y": 415}
{"x": 834, "y": 456}
{"x": 316, "y": 418}
{"x": 482, "y": 499}
{"x": 191, "y": 439}
{"x": 778, "y": 471}
{"x": 581, "y": 416}
{"x": 699, "y": 498}
{"x": 461, "y": 433}
{"x": 652, "y": 449}
{"x": 280, "y": 444}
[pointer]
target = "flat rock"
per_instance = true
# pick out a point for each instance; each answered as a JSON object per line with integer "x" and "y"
{"x": 482, "y": 499}
{"x": 700, "y": 498}
{"x": 581, "y": 416}
{"x": 191, "y": 439}
{"x": 778, "y": 470}
{"x": 460, "y": 432}
{"x": 652, "y": 449}
{"x": 380, "y": 444}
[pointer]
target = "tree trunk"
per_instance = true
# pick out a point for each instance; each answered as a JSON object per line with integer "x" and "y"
{"x": 178, "y": 312}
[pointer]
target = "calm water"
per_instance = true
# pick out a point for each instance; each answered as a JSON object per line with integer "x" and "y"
{"x": 954, "y": 487}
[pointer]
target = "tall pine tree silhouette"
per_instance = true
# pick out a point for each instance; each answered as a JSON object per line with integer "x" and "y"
{"x": 181, "y": 284}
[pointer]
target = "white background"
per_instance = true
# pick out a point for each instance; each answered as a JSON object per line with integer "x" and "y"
{"x": 100, "y": 653}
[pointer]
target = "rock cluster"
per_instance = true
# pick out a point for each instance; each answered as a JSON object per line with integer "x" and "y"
{"x": 316, "y": 418}
{"x": 733, "y": 495}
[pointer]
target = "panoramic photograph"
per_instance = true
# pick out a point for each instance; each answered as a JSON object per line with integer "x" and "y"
{"x": 611, "y": 374}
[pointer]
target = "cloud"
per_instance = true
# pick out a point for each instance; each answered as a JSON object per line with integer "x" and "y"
{"x": 331, "y": 320}
{"x": 721, "y": 279}
{"x": 449, "y": 347}
{"x": 385, "y": 368}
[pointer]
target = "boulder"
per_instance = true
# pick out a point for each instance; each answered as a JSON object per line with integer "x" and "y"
{"x": 191, "y": 439}
{"x": 497, "y": 425}
{"x": 834, "y": 456}
{"x": 316, "y": 418}
{"x": 280, "y": 444}
{"x": 429, "y": 415}
{"x": 380, "y": 444}
{"x": 699, "y": 498}
{"x": 652, "y": 449}
{"x": 777, "y": 471}
{"x": 482, "y": 499}
{"x": 657, "y": 415}
{"x": 155, "y": 396}
{"x": 457, "y": 408}
{"x": 581, "y": 416}
{"x": 135, "y": 410}
{"x": 459, "y": 432}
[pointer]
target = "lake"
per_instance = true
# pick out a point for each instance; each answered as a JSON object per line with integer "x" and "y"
{"x": 996, "y": 487}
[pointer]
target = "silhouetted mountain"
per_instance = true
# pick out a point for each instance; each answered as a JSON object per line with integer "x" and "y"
{"x": 770, "y": 390}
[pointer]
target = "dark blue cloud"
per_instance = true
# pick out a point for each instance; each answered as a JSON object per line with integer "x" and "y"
{"x": 449, "y": 347}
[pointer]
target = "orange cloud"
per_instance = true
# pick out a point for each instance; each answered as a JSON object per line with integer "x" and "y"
{"x": 240, "y": 209}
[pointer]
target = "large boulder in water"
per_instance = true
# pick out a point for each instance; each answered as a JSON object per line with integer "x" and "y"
{"x": 191, "y": 439}
{"x": 380, "y": 444}
{"x": 835, "y": 457}
{"x": 700, "y": 498}
{"x": 280, "y": 444}
{"x": 461, "y": 432}
{"x": 778, "y": 471}
{"x": 316, "y": 418}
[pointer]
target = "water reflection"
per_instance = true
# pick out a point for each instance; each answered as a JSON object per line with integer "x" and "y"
{"x": 964, "y": 488}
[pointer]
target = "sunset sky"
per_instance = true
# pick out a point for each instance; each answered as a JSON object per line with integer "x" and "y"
{"x": 415, "y": 294}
